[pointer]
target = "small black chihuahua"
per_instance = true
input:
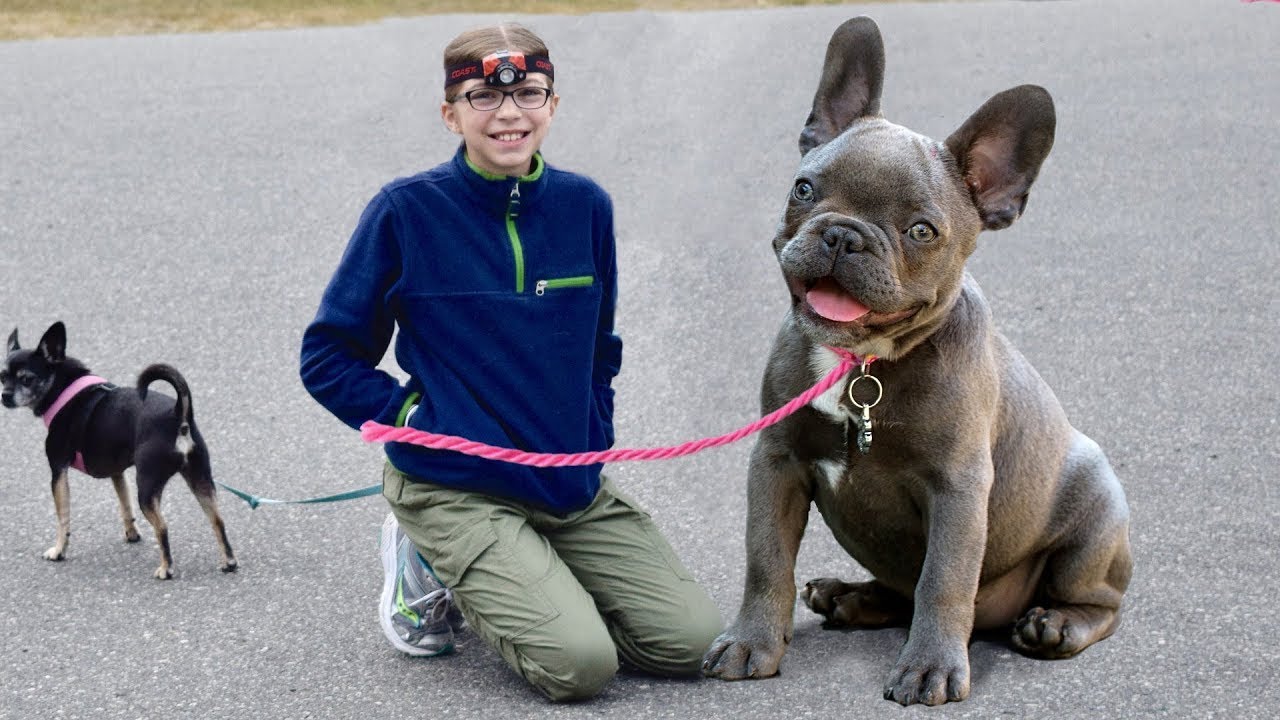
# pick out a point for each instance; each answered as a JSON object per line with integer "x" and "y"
{"x": 101, "y": 430}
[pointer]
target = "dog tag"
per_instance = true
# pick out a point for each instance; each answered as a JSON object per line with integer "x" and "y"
{"x": 864, "y": 423}
{"x": 864, "y": 435}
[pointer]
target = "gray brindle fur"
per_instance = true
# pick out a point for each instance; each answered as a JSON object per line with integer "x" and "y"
{"x": 978, "y": 506}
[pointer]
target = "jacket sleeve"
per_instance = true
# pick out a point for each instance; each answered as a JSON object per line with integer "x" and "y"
{"x": 608, "y": 360}
{"x": 343, "y": 345}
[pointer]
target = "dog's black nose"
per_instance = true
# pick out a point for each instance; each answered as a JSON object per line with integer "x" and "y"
{"x": 843, "y": 238}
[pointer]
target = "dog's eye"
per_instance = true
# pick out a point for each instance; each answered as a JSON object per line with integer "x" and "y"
{"x": 922, "y": 232}
{"x": 803, "y": 191}
{"x": 26, "y": 380}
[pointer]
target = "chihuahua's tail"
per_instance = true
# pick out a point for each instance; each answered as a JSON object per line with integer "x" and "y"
{"x": 170, "y": 375}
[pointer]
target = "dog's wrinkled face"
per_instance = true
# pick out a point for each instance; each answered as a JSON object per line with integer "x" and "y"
{"x": 874, "y": 238}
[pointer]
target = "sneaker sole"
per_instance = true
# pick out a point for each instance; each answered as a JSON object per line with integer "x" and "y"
{"x": 387, "y": 550}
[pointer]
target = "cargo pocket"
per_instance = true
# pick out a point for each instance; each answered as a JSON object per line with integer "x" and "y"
{"x": 493, "y": 588}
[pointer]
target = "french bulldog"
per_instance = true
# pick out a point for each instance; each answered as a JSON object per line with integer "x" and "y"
{"x": 946, "y": 466}
{"x": 101, "y": 430}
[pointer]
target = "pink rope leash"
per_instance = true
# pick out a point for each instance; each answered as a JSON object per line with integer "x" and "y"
{"x": 377, "y": 432}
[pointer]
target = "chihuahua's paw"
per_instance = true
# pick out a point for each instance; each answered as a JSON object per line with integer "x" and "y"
{"x": 229, "y": 566}
{"x": 164, "y": 572}
{"x": 865, "y": 604}
{"x": 740, "y": 654}
{"x": 56, "y": 554}
{"x": 929, "y": 677}
{"x": 131, "y": 536}
{"x": 1046, "y": 634}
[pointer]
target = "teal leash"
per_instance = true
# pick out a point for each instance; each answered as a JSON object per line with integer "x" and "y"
{"x": 254, "y": 501}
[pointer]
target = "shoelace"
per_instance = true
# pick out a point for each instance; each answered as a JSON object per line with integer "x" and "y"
{"x": 434, "y": 605}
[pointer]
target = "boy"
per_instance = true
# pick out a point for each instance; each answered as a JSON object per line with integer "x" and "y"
{"x": 499, "y": 273}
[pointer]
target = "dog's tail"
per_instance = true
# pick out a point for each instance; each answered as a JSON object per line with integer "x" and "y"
{"x": 169, "y": 374}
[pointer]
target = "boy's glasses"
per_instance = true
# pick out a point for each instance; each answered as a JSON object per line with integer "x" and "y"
{"x": 525, "y": 98}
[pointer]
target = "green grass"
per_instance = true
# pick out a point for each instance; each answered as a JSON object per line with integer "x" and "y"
{"x": 26, "y": 19}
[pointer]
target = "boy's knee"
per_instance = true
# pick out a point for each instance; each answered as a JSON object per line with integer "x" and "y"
{"x": 576, "y": 670}
{"x": 679, "y": 651}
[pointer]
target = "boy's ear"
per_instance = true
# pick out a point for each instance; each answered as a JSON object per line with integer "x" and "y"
{"x": 450, "y": 117}
{"x": 13, "y": 341}
{"x": 53, "y": 345}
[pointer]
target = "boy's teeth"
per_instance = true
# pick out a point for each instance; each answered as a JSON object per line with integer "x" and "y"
{"x": 508, "y": 137}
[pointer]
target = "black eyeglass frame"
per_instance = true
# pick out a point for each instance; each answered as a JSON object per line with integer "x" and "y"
{"x": 546, "y": 96}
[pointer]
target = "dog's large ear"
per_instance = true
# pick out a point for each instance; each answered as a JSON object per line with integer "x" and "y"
{"x": 1000, "y": 149}
{"x": 852, "y": 77}
{"x": 13, "y": 341}
{"x": 53, "y": 344}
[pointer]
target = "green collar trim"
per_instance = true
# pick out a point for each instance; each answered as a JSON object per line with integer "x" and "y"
{"x": 538, "y": 167}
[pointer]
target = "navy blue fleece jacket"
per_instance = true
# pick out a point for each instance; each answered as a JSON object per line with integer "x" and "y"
{"x": 503, "y": 292}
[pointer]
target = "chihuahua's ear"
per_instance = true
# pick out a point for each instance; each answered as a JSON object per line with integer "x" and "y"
{"x": 13, "y": 341}
{"x": 852, "y": 77}
{"x": 53, "y": 345}
{"x": 1000, "y": 149}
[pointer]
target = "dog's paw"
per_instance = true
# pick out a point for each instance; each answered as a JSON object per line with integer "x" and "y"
{"x": 55, "y": 553}
{"x": 929, "y": 676}
{"x": 131, "y": 536}
{"x": 164, "y": 572}
{"x": 742, "y": 653}
{"x": 229, "y": 566}
{"x": 865, "y": 604}
{"x": 1045, "y": 634}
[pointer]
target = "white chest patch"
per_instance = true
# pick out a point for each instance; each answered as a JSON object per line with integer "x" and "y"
{"x": 832, "y": 472}
{"x": 824, "y": 361}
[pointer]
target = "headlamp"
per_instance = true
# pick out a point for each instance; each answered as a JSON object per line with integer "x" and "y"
{"x": 500, "y": 69}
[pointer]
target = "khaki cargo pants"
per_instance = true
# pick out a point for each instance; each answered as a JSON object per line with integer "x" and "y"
{"x": 561, "y": 598}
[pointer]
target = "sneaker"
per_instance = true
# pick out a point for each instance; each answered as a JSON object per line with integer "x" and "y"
{"x": 416, "y": 611}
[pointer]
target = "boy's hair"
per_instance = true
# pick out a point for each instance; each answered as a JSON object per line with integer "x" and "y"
{"x": 474, "y": 45}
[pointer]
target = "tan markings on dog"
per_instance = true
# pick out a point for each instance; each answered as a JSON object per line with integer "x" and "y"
{"x": 62, "y": 507}
{"x": 126, "y": 509}
{"x": 152, "y": 514}
{"x": 209, "y": 505}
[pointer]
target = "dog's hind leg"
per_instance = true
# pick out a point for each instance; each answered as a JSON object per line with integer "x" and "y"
{"x": 1084, "y": 581}
{"x": 126, "y": 512}
{"x": 199, "y": 478}
{"x": 864, "y": 604}
{"x": 149, "y": 501}
{"x": 61, "y": 507}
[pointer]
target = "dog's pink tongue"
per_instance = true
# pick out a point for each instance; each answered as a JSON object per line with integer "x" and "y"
{"x": 828, "y": 300}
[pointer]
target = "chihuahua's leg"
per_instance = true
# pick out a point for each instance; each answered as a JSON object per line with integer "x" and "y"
{"x": 1084, "y": 581}
{"x": 126, "y": 511}
{"x": 199, "y": 478}
{"x": 62, "y": 507}
{"x": 149, "y": 500}
{"x": 865, "y": 604}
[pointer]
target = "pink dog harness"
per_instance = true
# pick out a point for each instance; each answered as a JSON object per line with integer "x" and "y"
{"x": 80, "y": 385}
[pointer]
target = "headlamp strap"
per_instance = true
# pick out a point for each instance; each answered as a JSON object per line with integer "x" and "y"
{"x": 500, "y": 68}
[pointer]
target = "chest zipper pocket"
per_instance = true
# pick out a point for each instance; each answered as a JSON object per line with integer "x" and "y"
{"x": 580, "y": 281}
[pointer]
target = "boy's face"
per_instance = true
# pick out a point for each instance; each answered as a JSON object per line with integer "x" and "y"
{"x": 500, "y": 141}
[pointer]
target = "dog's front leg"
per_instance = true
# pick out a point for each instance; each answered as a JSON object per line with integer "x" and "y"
{"x": 778, "y": 498}
{"x": 933, "y": 667}
{"x": 62, "y": 508}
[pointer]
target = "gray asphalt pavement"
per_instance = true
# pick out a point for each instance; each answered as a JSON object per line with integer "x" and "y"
{"x": 184, "y": 199}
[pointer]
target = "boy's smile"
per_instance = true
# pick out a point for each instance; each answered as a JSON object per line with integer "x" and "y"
{"x": 501, "y": 141}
